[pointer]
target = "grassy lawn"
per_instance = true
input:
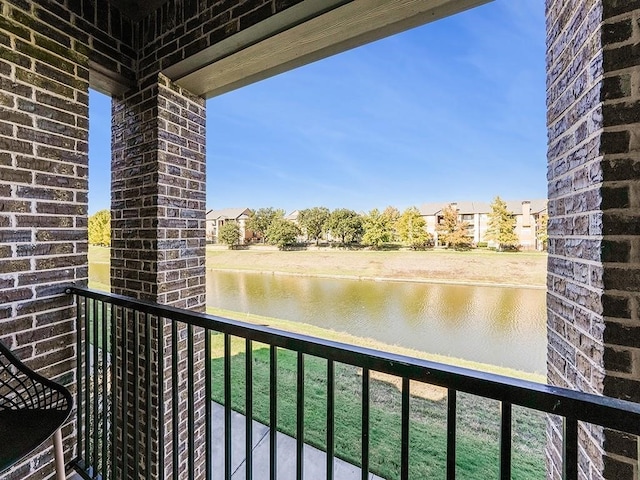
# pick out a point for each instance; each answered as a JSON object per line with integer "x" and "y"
{"x": 478, "y": 418}
{"x": 475, "y": 266}
{"x": 477, "y": 431}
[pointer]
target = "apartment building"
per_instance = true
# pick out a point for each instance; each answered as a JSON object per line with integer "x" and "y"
{"x": 217, "y": 218}
{"x": 527, "y": 214}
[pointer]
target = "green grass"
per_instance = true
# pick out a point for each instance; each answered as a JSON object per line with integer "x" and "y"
{"x": 478, "y": 418}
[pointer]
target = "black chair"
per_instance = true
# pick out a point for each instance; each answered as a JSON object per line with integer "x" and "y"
{"x": 32, "y": 409}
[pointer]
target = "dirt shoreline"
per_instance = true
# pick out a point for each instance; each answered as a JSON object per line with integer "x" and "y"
{"x": 439, "y": 266}
{"x": 470, "y": 283}
{"x": 475, "y": 268}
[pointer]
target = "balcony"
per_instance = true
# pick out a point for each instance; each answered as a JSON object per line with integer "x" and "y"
{"x": 242, "y": 377}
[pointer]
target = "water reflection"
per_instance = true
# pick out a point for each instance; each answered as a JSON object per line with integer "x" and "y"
{"x": 501, "y": 326}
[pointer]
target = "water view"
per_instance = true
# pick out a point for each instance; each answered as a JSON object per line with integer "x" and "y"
{"x": 499, "y": 326}
{"x": 494, "y": 325}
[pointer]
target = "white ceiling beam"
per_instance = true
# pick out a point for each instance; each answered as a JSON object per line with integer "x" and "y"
{"x": 269, "y": 48}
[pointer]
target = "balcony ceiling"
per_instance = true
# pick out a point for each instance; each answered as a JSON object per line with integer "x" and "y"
{"x": 301, "y": 34}
{"x": 136, "y": 9}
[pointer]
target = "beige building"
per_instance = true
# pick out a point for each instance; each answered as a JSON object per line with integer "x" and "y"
{"x": 476, "y": 214}
{"x": 217, "y": 218}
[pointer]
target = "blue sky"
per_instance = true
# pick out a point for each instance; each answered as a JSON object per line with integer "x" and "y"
{"x": 453, "y": 110}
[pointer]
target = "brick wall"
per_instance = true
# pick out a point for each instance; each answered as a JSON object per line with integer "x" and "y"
{"x": 621, "y": 222}
{"x": 593, "y": 278}
{"x": 574, "y": 304}
{"x": 180, "y": 29}
{"x": 45, "y": 53}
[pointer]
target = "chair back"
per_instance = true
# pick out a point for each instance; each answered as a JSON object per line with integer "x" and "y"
{"x": 23, "y": 389}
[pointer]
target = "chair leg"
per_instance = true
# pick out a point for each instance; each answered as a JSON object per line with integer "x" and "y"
{"x": 58, "y": 454}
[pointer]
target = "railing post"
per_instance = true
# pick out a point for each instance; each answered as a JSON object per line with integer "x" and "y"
{"x": 330, "y": 417}
{"x": 300, "y": 417}
{"x": 249, "y": 408}
{"x": 570, "y": 448}
{"x": 451, "y": 433}
{"x": 273, "y": 413}
{"x": 404, "y": 449}
{"x": 505, "y": 441}
{"x": 365, "y": 423}
{"x": 227, "y": 407}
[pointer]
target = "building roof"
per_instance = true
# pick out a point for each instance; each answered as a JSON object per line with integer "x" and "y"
{"x": 472, "y": 207}
{"x": 427, "y": 209}
{"x": 227, "y": 213}
{"x": 462, "y": 207}
{"x": 514, "y": 206}
{"x": 293, "y": 216}
{"x": 537, "y": 206}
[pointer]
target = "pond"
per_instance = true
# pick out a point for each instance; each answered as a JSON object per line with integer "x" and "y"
{"x": 495, "y": 325}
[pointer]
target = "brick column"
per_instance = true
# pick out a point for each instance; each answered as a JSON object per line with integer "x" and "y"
{"x": 594, "y": 226}
{"x": 158, "y": 242}
{"x": 620, "y": 148}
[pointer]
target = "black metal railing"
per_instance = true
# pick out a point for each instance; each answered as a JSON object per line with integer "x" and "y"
{"x": 117, "y": 335}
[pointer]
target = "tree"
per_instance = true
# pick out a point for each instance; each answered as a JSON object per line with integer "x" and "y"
{"x": 229, "y": 233}
{"x": 452, "y": 231}
{"x": 313, "y": 221}
{"x": 393, "y": 214}
{"x": 378, "y": 229}
{"x": 282, "y": 233}
{"x": 99, "y": 228}
{"x": 260, "y": 220}
{"x": 411, "y": 228}
{"x": 345, "y": 224}
{"x": 502, "y": 226}
{"x": 542, "y": 233}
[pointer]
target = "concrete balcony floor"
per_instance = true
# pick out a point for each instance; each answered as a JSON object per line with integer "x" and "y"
{"x": 315, "y": 460}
